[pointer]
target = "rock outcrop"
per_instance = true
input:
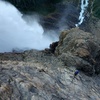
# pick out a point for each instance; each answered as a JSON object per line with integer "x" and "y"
{"x": 80, "y": 49}
{"x": 40, "y": 75}
{"x": 35, "y": 75}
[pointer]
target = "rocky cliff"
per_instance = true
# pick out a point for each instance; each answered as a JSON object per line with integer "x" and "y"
{"x": 80, "y": 49}
{"x": 59, "y": 14}
{"x": 42, "y": 75}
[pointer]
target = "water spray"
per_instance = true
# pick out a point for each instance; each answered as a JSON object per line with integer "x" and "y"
{"x": 84, "y": 5}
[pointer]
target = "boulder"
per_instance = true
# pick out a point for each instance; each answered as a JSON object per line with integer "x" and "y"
{"x": 80, "y": 49}
{"x": 53, "y": 46}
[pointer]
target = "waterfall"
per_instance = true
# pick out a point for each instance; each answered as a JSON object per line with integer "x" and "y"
{"x": 16, "y": 33}
{"x": 84, "y": 5}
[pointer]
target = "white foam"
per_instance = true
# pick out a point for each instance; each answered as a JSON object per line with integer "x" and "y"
{"x": 84, "y": 5}
{"x": 16, "y": 33}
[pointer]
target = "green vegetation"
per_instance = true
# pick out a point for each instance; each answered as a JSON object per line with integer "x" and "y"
{"x": 40, "y": 6}
{"x": 96, "y": 8}
{"x": 48, "y": 6}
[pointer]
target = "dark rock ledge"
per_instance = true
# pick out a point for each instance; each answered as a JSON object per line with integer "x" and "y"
{"x": 42, "y": 75}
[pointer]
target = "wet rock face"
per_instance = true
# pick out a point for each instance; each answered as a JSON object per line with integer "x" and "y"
{"x": 80, "y": 49}
{"x": 64, "y": 17}
{"x": 53, "y": 46}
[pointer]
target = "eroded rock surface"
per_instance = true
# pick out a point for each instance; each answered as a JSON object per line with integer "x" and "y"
{"x": 80, "y": 49}
{"x": 40, "y": 75}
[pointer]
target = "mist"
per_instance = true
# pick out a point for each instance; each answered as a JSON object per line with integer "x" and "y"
{"x": 16, "y": 33}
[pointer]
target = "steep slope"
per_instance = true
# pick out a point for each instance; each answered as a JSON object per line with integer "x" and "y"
{"x": 80, "y": 49}
{"x": 40, "y": 75}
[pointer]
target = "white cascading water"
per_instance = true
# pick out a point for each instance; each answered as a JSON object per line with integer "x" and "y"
{"x": 15, "y": 33}
{"x": 84, "y": 5}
